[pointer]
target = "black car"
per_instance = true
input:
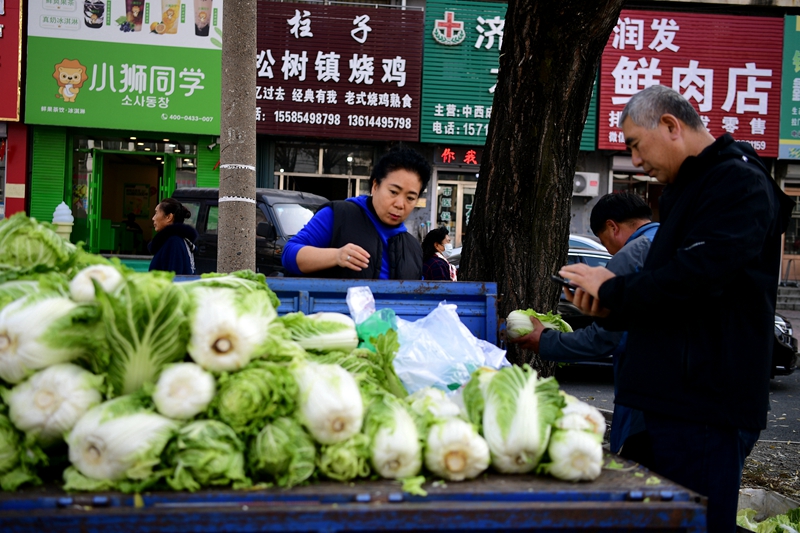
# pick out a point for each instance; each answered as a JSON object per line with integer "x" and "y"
{"x": 784, "y": 353}
{"x": 279, "y": 216}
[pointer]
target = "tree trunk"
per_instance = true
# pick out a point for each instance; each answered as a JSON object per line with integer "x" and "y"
{"x": 520, "y": 218}
{"x": 237, "y": 177}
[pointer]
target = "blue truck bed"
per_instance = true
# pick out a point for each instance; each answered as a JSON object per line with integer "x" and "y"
{"x": 627, "y": 499}
{"x": 476, "y": 301}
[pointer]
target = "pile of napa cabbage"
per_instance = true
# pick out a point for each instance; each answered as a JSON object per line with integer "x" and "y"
{"x": 118, "y": 380}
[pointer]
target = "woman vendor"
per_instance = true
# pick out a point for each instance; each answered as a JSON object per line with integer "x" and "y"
{"x": 364, "y": 237}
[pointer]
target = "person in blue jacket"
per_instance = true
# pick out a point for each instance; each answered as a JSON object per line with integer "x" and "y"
{"x": 623, "y": 223}
{"x": 173, "y": 244}
{"x": 364, "y": 237}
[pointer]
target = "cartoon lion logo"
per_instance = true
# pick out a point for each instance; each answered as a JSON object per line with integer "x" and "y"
{"x": 70, "y": 75}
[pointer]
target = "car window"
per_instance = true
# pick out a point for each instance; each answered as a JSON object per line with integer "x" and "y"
{"x": 593, "y": 261}
{"x": 194, "y": 209}
{"x": 292, "y": 217}
{"x": 213, "y": 219}
{"x": 260, "y": 217}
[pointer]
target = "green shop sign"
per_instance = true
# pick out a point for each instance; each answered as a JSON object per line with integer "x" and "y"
{"x": 789, "y": 145}
{"x": 461, "y": 60}
{"x": 125, "y": 64}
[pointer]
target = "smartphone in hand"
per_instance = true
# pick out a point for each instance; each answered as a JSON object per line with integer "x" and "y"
{"x": 563, "y": 282}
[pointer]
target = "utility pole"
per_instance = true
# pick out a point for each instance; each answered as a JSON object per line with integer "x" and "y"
{"x": 237, "y": 177}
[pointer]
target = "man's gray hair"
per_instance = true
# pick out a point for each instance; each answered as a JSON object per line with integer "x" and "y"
{"x": 646, "y": 107}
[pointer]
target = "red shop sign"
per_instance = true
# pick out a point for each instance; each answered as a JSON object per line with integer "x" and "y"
{"x": 10, "y": 58}
{"x": 339, "y": 71}
{"x": 728, "y": 67}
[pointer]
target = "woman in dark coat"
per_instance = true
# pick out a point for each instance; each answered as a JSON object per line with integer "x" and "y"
{"x": 173, "y": 244}
{"x": 434, "y": 264}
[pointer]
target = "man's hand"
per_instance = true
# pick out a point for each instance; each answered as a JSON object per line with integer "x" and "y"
{"x": 531, "y": 340}
{"x": 588, "y": 280}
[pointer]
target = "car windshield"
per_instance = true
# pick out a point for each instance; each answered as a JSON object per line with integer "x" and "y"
{"x": 292, "y": 217}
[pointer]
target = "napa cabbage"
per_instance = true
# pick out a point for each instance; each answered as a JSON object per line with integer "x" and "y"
{"x": 517, "y": 415}
{"x": 228, "y": 327}
{"x": 31, "y": 247}
{"x": 145, "y": 328}
{"x": 183, "y": 391}
{"x": 118, "y": 444}
{"x": 205, "y": 453}
{"x": 519, "y": 324}
{"x": 329, "y": 401}
{"x": 322, "y": 331}
{"x": 345, "y": 460}
{"x": 19, "y": 457}
{"x": 248, "y": 399}
{"x": 282, "y": 451}
{"x": 454, "y": 450}
{"x": 44, "y": 329}
{"x": 395, "y": 448}
{"x": 49, "y": 403}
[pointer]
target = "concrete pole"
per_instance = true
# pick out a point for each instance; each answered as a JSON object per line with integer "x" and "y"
{"x": 237, "y": 178}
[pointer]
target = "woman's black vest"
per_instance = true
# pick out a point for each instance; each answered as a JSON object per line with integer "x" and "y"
{"x": 351, "y": 224}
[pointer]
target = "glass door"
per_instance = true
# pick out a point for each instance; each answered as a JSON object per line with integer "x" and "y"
{"x": 94, "y": 186}
{"x": 467, "y": 198}
{"x": 453, "y": 208}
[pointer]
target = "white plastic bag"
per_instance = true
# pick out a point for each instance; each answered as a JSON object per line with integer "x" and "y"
{"x": 440, "y": 351}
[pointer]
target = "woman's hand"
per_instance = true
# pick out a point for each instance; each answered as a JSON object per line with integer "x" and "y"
{"x": 353, "y": 257}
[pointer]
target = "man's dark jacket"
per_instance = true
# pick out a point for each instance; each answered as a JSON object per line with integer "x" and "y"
{"x": 351, "y": 224}
{"x": 700, "y": 315}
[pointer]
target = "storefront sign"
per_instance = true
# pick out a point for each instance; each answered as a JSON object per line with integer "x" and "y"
{"x": 10, "y": 58}
{"x": 728, "y": 67}
{"x": 790, "y": 90}
{"x": 338, "y": 71}
{"x": 125, "y": 64}
{"x": 462, "y": 50}
{"x": 458, "y": 156}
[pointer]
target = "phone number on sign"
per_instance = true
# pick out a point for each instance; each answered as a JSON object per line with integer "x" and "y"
{"x": 757, "y": 145}
{"x": 299, "y": 117}
{"x": 379, "y": 122}
{"x": 190, "y": 118}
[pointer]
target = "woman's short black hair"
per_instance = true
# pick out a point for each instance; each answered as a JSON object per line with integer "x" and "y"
{"x": 401, "y": 158}
{"x": 434, "y": 236}
{"x": 619, "y": 207}
{"x": 171, "y": 206}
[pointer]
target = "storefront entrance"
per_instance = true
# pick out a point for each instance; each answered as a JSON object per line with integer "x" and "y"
{"x": 455, "y": 194}
{"x": 116, "y": 185}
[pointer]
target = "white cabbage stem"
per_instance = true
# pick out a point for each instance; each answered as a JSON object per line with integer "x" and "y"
{"x": 455, "y": 451}
{"x": 183, "y": 391}
{"x": 23, "y": 323}
{"x": 81, "y": 287}
{"x": 225, "y": 335}
{"x": 330, "y": 403}
{"x": 51, "y": 401}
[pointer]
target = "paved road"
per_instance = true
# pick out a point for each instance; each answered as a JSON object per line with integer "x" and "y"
{"x": 595, "y": 385}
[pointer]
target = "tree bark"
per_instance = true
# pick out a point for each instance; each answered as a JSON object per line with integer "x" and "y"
{"x": 520, "y": 218}
{"x": 236, "y": 249}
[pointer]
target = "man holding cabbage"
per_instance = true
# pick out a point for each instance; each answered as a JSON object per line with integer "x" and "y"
{"x": 701, "y": 381}
{"x": 623, "y": 223}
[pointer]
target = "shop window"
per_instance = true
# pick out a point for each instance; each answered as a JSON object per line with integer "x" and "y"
{"x": 297, "y": 158}
{"x": 792, "y": 236}
{"x": 335, "y": 172}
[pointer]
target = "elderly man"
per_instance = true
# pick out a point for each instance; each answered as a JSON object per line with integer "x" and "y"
{"x": 701, "y": 381}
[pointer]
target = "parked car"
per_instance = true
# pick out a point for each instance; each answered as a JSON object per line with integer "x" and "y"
{"x": 785, "y": 357}
{"x": 586, "y": 241}
{"x": 279, "y": 216}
